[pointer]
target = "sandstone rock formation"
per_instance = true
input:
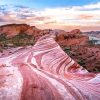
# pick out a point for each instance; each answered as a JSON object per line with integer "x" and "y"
{"x": 63, "y": 38}
{"x": 14, "y": 29}
{"x": 72, "y": 38}
{"x": 45, "y": 72}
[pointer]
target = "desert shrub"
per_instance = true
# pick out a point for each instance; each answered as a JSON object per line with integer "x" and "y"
{"x": 3, "y": 37}
{"x": 23, "y": 39}
{"x": 67, "y": 50}
{"x": 81, "y": 62}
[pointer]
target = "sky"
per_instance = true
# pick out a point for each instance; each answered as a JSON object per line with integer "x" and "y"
{"x": 53, "y": 14}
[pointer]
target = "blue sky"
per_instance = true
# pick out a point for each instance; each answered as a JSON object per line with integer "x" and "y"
{"x": 53, "y": 14}
{"x": 47, "y": 3}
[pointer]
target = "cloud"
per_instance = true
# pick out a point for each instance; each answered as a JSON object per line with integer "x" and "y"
{"x": 2, "y": 20}
{"x": 88, "y": 7}
{"x": 92, "y": 6}
{"x": 83, "y": 17}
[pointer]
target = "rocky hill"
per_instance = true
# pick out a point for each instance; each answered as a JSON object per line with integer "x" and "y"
{"x": 64, "y": 38}
{"x": 15, "y": 29}
{"x": 75, "y": 37}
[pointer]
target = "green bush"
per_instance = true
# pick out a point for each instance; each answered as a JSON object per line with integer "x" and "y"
{"x": 21, "y": 39}
{"x": 67, "y": 50}
{"x": 81, "y": 62}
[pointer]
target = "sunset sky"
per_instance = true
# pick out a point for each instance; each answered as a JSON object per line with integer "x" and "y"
{"x": 55, "y": 14}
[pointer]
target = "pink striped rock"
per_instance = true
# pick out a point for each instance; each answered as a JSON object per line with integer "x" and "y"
{"x": 45, "y": 72}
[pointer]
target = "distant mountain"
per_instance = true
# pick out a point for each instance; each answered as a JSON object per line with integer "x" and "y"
{"x": 94, "y": 36}
{"x": 93, "y": 33}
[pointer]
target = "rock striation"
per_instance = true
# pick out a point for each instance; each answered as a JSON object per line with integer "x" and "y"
{"x": 46, "y": 72}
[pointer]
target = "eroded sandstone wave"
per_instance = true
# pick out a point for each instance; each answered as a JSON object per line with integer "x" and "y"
{"x": 46, "y": 72}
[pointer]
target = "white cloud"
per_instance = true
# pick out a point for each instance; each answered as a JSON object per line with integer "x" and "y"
{"x": 92, "y": 6}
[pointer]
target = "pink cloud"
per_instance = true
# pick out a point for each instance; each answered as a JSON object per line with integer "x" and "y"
{"x": 62, "y": 17}
{"x": 85, "y": 17}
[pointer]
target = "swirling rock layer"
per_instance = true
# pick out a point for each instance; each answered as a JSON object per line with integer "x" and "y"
{"x": 45, "y": 72}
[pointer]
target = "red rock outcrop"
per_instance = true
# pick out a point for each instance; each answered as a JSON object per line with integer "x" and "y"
{"x": 72, "y": 38}
{"x": 14, "y": 29}
{"x": 45, "y": 72}
{"x": 64, "y": 38}
{"x": 75, "y": 32}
